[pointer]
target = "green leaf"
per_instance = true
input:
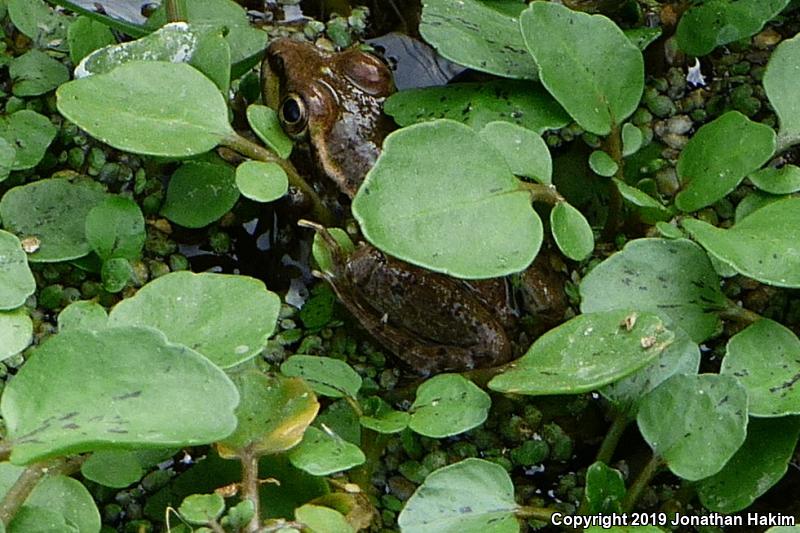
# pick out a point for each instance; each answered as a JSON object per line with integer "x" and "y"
{"x": 116, "y": 273}
{"x": 757, "y": 246}
{"x": 719, "y": 156}
{"x": 54, "y": 212}
{"x": 695, "y": 423}
{"x": 265, "y": 124}
{"x": 758, "y": 465}
{"x": 572, "y": 231}
{"x": 149, "y": 107}
{"x": 477, "y": 104}
{"x": 380, "y": 417}
{"x": 605, "y": 489}
{"x": 572, "y": 51}
{"x": 7, "y": 156}
{"x": 322, "y": 453}
{"x": 101, "y": 397}
{"x": 30, "y": 134}
{"x": 467, "y": 497}
{"x": 472, "y": 34}
{"x": 199, "y": 193}
{"x": 448, "y": 404}
{"x": 16, "y": 279}
{"x": 632, "y": 139}
{"x": 753, "y": 202}
{"x": 85, "y": 35}
{"x": 227, "y": 318}
{"x": 321, "y": 252}
{"x": 771, "y": 382}
{"x": 200, "y": 509}
{"x": 327, "y": 376}
{"x": 650, "y": 209}
{"x": 113, "y": 468}
{"x": 566, "y": 360}
{"x": 320, "y": 519}
{"x": 780, "y": 81}
{"x": 35, "y": 73}
{"x": 716, "y": 22}
{"x": 524, "y": 150}
{"x": 67, "y": 497}
{"x": 465, "y": 181}
{"x": 671, "y": 277}
{"x": 602, "y": 164}
{"x": 643, "y": 37}
{"x": 45, "y": 26}
{"x": 30, "y": 519}
{"x": 784, "y": 180}
{"x": 115, "y": 228}
{"x": 16, "y": 332}
{"x": 261, "y": 182}
{"x": 273, "y": 414}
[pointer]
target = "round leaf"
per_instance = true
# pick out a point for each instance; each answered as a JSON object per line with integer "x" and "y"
{"x": 602, "y": 164}
{"x": 440, "y": 198}
{"x": 98, "y": 395}
{"x": 273, "y": 414}
{"x": 226, "y": 318}
{"x": 200, "y": 509}
{"x": 380, "y": 417}
{"x": 149, "y": 107}
{"x": 113, "y": 468}
{"x": 322, "y": 453}
{"x": 69, "y": 498}
{"x": 719, "y": 156}
{"x": 83, "y": 315}
{"x": 650, "y": 209}
{"x": 695, "y": 423}
{"x": 261, "y": 182}
{"x": 784, "y": 180}
{"x": 631, "y": 139}
{"x": 265, "y": 124}
{"x": 472, "y": 496}
{"x": 54, "y": 212}
{"x": 572, "y": 51}
{"x": 671, "y": 277}
{"x": 115, "y": 274}
{"x": 322, "y": 519}
{"x": 327, "y": 376}
{"x": 448, "y": 404}
{"x": 35, "y": 73}
{"x": 524, "y": 150}
{"x": 200, "y": 193}
{"x": 115, "y": 228}
{"x": 30, "y": 134}
{"x": 7, "y": 156}
{"x": 473, "y": 34}
{"x": 566, "y": 360}
{"x": 762, "y": 246}
{"x": 16, "y": 332}
{"x": 780, "y": 82}
{"x": 16, "y": 279}
{"x": 760, "y": 463}
{"x": 605, "y": 490}
{"x": 85, "y": 35}
{"x": 572, "y": 232}
{"x": 771, "y": 382}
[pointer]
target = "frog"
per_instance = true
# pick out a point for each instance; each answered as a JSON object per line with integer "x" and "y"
{"x": 332, "y": 102}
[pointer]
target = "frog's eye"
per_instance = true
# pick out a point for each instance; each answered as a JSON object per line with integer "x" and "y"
{"x": 293, "y": 114}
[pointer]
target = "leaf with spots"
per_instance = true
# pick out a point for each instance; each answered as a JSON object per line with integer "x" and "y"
{"x": 448, "y": 404}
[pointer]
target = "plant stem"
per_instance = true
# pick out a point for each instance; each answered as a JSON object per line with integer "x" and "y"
{"x": 613, "y": 146}
{"x": 542, "y": 193}
{"x": 176, "y": 11}
{"x": 640, "y": 483}
{"x": 250, "y": 488}
{"x": 737, "y": 313}
{"x": 609, "y": 445}
{"x": 537, "y": 513}
{"x": 252, "y": 150}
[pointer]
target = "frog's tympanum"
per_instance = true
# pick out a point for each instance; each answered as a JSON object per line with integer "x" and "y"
{"x": 433, "y": 322}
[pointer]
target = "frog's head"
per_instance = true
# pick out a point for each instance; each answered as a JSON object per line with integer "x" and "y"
{"x": 332, "y": 100}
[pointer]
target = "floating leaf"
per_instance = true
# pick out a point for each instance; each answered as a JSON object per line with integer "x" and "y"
{"x": 40, "y": 22}
{"x": 327, "y": 376}
{"x": 758, "y": 465}
{"x": 265, "y": 124}
{"x": 30, "y": 134}
{"x": 671, "y": 277}
{"x": 572, "y": 51}
{"x": 650, "y": 209}
{"x": 437, "y": 190}
{"x": 643, "y": 37}
{"x": 380, "y": 417}
{"x": 780, "y": 81}
{"x": 199, "y": 193}
{"x": 771, "y": 382}
{"x": 757, "y": 246}
{"x": 475, "y": 35}
{"x": 261, "y": 182}
{"x": 605, "y": 489}
{"x": 16, "y": 332}
{"x": 99, "y": 397}
{"x": 7, "y": 156}
{"x": 524, "y": 150}
{"x": 572, "y": 231}
{"x": 113, "y": 468}
{"x": 320, "y": 519}
{"x": 321, "y": 252}
{"x": 54, "y": 212}
{"x": 16, "y": 279}
{"x": 784, "y": 180}
{"x": 716, "y": 22}
{"x": 632, "y": 139}
{"x": 68, "y": 498}
{"x": 478, "y": 104}
{"x": 200, "y": 509}
{"x": 566, "y": 360}
{"x": 322, "y": 453}
{"x": 695, "y": 423}
{"x": 227, "y": 318}
{"x": 85, "y": 35}
{"x": 149, "y": 107}
{"x": 719, "y": 156}
{"x": 448, "y": 404}
{"x": 470, "y": 496}
{"x": 273, "y": 414}
{"x": 602, "y": 164}
{"x": 115, "y": 228}
{"x": 35, "y": 73}
{"x": 116, "y": 273}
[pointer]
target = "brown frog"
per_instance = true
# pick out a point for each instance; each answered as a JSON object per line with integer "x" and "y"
{"x": 433, "y": 322}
